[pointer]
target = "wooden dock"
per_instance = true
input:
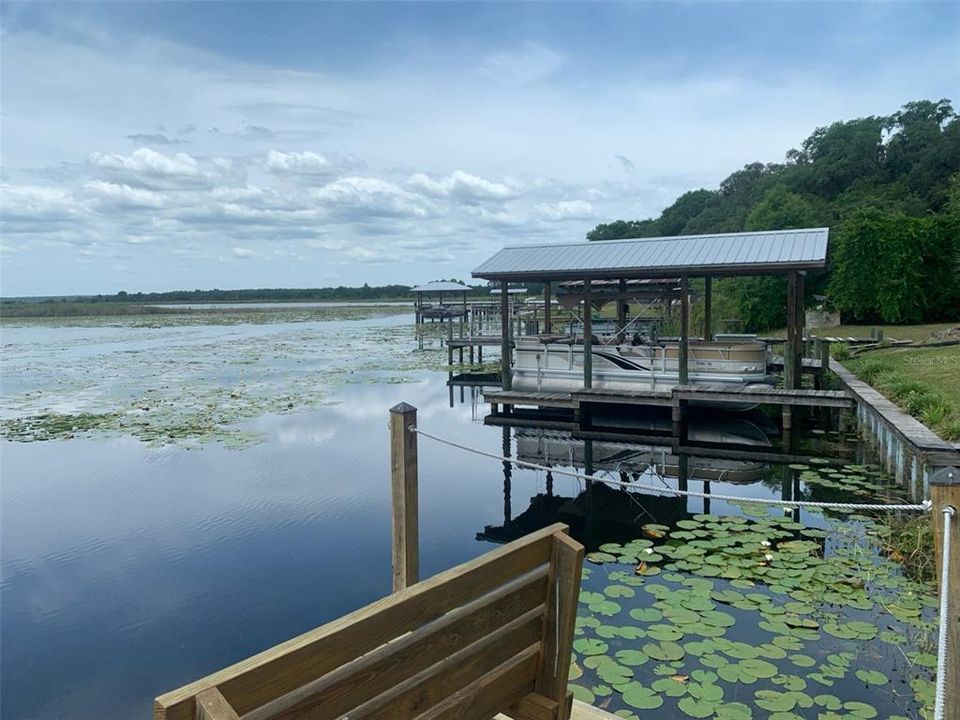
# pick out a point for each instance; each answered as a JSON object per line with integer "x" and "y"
{"x": 719, "y": 395}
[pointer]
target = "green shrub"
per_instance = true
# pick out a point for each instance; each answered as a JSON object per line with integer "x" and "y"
{"x": 841, "y": 352}
{"x": 871, "y": 368}
{"x": 950, "y": 430}
{"x": 934, "y": 413}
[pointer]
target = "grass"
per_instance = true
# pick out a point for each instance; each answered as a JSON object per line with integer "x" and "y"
{"x": 908, "y": 540}
{"x": 925, "y": 382}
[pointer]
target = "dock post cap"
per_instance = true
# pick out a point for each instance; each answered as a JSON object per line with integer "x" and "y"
{"x": 946, "y": 476}
{"x": 403, "y": 408}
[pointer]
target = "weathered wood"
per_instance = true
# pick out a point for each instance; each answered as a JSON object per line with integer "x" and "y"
{"x": 351, "y": 684}
{"x": 621, "y": 309}
{"x": 945, "y": 493}
{"x": 566, "y": 562}
{"x": 790, "y": 349}
{"x": 505, "y": 344}
{"x": 684, "y": 349}
{"x": 799, "y": 343}
{"x": 708, "y": 308}
{"x": 547, "y": 319}
{"x": 404, "y": 489}
{"x": 587, "y": 336}
{"x": 285, "y": 667}
{"x": 763, "y": 395}
{"x": 212, "y": 705}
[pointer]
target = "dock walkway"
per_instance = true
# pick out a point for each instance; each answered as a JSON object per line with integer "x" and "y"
{"x": 674, "y": 397}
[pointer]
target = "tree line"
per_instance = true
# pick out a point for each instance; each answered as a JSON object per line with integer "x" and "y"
{"x": 888, "y": 187}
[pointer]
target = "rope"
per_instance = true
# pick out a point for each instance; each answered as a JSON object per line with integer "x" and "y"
{"x": 940, "y": 693}
{"x": 925, "y": 506}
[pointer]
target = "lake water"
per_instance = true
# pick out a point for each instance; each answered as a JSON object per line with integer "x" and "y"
{"x": 230, "y": 488}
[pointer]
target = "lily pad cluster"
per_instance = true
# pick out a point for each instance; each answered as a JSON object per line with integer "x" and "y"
{"x": 195, "y": 378}
{"x": 731, "y": 617}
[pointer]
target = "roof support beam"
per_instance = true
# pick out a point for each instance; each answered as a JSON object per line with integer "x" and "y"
{"x": 547, "y": 324}
{"x": 684, "y": 329}
{"x": 708, "y": 308}
{"x": 587, "y": 336}
{"x": 505, "y": 323}
{"x": 621, "y": 310}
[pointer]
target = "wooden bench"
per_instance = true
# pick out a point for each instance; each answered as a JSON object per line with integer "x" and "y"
{"x": 490, "y": 636}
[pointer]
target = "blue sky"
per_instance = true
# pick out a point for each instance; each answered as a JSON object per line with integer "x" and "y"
{"x": 154, "y": 146}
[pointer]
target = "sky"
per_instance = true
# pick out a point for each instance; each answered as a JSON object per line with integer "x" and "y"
{"x": 149, "y": 146}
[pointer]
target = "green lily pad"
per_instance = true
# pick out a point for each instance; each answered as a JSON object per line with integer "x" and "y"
{"x": 590, "y": 646}
{"x": 872, "y": 677}
{"x": 641, "y": 697}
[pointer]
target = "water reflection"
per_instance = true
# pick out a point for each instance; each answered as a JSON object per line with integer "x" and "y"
{"x": 598, "y": 512}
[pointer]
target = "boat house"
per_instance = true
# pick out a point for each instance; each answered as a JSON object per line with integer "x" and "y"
{"x": 625, "y": 270}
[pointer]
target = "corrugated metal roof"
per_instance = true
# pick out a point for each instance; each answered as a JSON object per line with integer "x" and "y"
{"x": 440, "y": 286}
{"x": 719, "y": 254}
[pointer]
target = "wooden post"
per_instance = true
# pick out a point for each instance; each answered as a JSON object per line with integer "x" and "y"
{"x": 505, "y": 353}
{"x": 449, "y": 342}
{"x": 789, "y": 349}
{"x": 799, "y": 328}
{"x": 684, "y": 329}
{"x": 587, "y": 336}
{"x": 621, "y": 308}
{"x": 547, "y": 325}
{"x": 945, "y": 493}
{"x": 403, "y": 481}
{"x": 708, "y": 308}
{"x": 566, "y": 563}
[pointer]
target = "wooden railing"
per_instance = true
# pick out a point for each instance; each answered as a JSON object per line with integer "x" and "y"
{"x": 490, "y": 636}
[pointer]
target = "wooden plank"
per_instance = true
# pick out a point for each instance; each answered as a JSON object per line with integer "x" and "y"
{"x": 455, "y": 673}
{"x": 376, "y": 672}
{"x": 212, "y": 705}
{"x": 534, "y": 706}
{"x": 285, "y": 667}
{"x": 404, "y": 491}
{"x": 491, "y": 692}
{"x": 580, "y": 711}
{"x": 566, "y": 562}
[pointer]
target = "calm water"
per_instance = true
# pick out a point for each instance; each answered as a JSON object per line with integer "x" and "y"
{"x": 131, "y": 568}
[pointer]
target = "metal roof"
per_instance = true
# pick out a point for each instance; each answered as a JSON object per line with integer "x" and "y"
{"x": 746, "y": 253}
{"x": 441, "y": 286}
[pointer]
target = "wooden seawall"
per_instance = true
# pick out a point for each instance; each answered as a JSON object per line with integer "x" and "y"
{"x": 907, "y": 448}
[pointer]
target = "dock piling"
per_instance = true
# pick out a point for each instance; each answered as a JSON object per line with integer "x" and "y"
{"x": 403, "y": 482}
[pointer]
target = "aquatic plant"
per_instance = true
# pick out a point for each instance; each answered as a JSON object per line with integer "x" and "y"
{"x": 757, "y": 613}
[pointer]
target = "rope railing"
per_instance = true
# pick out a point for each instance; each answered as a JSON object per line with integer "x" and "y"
{"x": 940, "y": 689}
{"x": 664, "y": 489}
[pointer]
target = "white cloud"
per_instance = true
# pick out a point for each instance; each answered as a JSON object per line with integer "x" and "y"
{"x": 566, "y": 210}
{"x": 123, "y": 195}
{"x": 37, "y": 204}
{"x": 355, "y": 197}
{"x": 298, "y": 163}
{"x": 462, "y": 186}
{"x": 145, "y": 162}
{"x": 242, "y": 252}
